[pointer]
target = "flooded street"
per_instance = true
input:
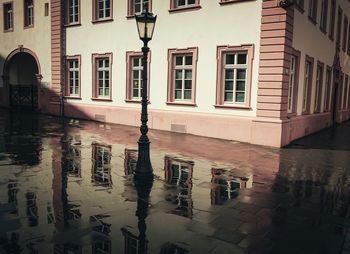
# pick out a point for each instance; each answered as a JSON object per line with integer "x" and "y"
{"x": 66, "y": 186}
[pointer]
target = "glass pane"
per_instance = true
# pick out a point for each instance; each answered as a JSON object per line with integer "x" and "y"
{"x": 107, "y": 91}
{"x": 228, "y": 96}
{"x": 181, "y": 2}
{"x": 108, "y": 13}
{"x": 240, "y": 97}
{"x": 106, "y": 83}
{"x": 100, "y": 91}
{"x": 106, "y": 63}
{"x": 135, "y": 74}
{"x": 178, "y": 74}
{"x": 106, "y": 74}
{"x": 230, "y": 58}
{"x": 135, "y": 84}
{"x": 188, "y": 84}
{"x": 188, "y": 60}
{"x": 70, "y": 64}
{"x": 100, "y": 82}
{"x": 136, "y": 62}
{"x": 178, "y": 84}
{"x": 100, "y": 75}
{"x": 71, "y": 90}
{"x": 178, "y": 60}
{"x": 135, "y": 93}
{"x": 229, "y": 85}
{"x": 242, "y": 58}
{"x": 241, "y": 74}
{"x": 178, "y": 94}
{"x": 188, "y": 94}
{"x": 240, "y": 86}
{"x": 229, "y": 74}
{"x": 188, "y": 74}
{"x": 100, "y": 63}
{"x": 191, "y": 1}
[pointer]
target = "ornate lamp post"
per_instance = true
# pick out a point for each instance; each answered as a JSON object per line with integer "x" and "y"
{"x": 145, "y": 26}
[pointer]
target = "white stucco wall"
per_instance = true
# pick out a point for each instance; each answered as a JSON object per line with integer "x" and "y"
{"x": 37, "y": 38}
{"x": 310, "y": 40}
{"x": 206, "y": 28}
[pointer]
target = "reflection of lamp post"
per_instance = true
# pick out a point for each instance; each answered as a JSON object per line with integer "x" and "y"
{"x": 145, "y": 25}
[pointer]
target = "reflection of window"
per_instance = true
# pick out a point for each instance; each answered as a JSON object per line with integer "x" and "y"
{"x": 28, "y": 13}
{"x": 170, "y": 248}
{"x": 312, "y": 10}
{"x": 178, "y": 177}
{"x": 101, "y": 243}
{"x": 71, "y": 248}
{"x": 132, "y": 243}
{"x": 327, "y": 89}
{"x": 226, "y": 186}
{"x": 101, "y": 169}
{"x": 318, "y": 88}
{"x": 8, "y": 16}
{"x": 130, "y": 161}
{"x": 12, "y": 194}
{"x": 32, "y": 209}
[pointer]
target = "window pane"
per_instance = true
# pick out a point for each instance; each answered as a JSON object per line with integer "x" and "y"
{"x": 76, "y": 90}
{"x": 100, "y": 63}
{"x": 136, "y": 84}
{"x": 240, "y": 97}
{"x": 106, "y": 74}
{"x": 229, "y": 74}
{"x": 178, "y": 94}
{"x": 229, "y": 85}
{"x": 135, "y": 93}
{"x": 106, "y": 63}
{"x": 188, "y": 84}
{"x": 178, "y": 74}
{"x": 240, "y": 86}
{"x": 136, "y": 62}
{"x": 100, "y": 91}
{"x": 178, "y": 60}
{"x": 178, "y": 84}
{"x": 136, "y": 74}
{"x": 230, "y": 59}
{"x": 191, "y": 1}
{"x": 180, "y": 2}
{"x": 188, "y": 60}
{"x": 228, "y": 96}
{"x": 107, "y": 91}
{"x": 188, "y": 74}
{"x": 241, "y": 74}
{"x": 242, "y": 58}
{"x": 100, "y": 75}
{"x": 188, "y": 94}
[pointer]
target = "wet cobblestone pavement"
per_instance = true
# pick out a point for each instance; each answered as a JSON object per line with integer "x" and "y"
{"x": 66, "y": 187}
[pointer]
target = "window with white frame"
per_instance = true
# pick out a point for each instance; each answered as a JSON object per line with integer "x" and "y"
{"x": 136, "y": 77}
{"x": 312, "y": 11}
{"x": 234, "y": 65}
{"x": 184, "y": 4}
{"x": 291, "y": 83}
{"x": 327, "y": 90}
{"x": 235, "y": 77}
{"x": 102, "y": 74}
{"x": 324, "y": 15}
{"x": 73, "y": 76}
{"x": 73, "y": 15}
{"x": 28, "y": 13}
{"x": 138, "y": 5}
{"x": 103, "y": 9}
{"x": 8, "y": 16}
{"x": 306, "y": 85}
{"x": 183, "y": 77}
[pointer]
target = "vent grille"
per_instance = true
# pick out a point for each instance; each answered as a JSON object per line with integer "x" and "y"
{"x": 179, "y": 128}
{"x": 100, "y": 118}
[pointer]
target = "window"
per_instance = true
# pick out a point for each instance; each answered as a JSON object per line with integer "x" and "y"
{"x": 332, "y": 20}
{"x": 324, "y": 15}
{"x": 339, "y": 22}
{"x": 136, "y": 6}
{"x": 134, "y": 76}
{"x": 8, "y": 16}
{"x": 102, "y": 75}
{"x": 28, "y": 13}
{"x": 183, "y": 4}
{"x": 102, "y": 10}
{"x": 307, "y": 84}
{"x": 72, "y": 12}
{"x": 293, "y": 83}
{"x": 101, "y": 165}
{"x": 327, "y": 89}
{"x": 318, "y": 88}
{"x": 312, "y": 12}
{"x": 345, "y": 92}
{"x": 182, "y": 65}
{"x": 234, "y": 69}
{"x": 345, "y": 32}
{"x": 46, "y": 9}
{"x": 348, "y": 48}
{"x": 300, "y": 4}
{"x": 73, "y": 76}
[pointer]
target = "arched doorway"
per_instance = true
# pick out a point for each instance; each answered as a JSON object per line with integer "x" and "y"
{"x": 22, "y": 72}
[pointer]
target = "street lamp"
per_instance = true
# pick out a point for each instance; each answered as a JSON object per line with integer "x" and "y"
{"x": 145, "y": 26}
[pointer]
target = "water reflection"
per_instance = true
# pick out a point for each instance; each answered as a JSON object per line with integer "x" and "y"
{"x": 178, "y": 183}
{"x": 101, "y": 239}
{"x": 170, "y": 248}
{"x": 226, "y": 185}
{"x": 130, "y": 161}
{"x": 101, "y": 165}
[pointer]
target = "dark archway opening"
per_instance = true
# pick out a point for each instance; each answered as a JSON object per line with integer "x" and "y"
{"x": 22, "y": 70}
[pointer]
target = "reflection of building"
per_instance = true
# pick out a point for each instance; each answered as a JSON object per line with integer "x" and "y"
{"x": 132, "y": 243}
{"x": 72, "y": 159}
{"x": 32, "y": 209}
{"x": 130, "y": 161}
{"x": 178, "y": 178}
{"x": 170, "y": 248}
{"x": 226, "y": 186}
{"x": 101, "y": 241}
{"x": 12, "y": 194}
{"x": 101, "y": 165}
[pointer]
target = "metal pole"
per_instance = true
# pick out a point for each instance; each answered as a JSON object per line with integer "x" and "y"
{"x": 143, "y": 166}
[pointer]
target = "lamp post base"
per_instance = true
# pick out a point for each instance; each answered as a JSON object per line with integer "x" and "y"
{"x": 144, "y": 168}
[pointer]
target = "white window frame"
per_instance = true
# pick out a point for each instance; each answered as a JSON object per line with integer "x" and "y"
{"x": 306, "y": 84}
{"x": 183, "y": 68}
{"x": 29, "y": 14}
{"x": 104, "y": 70}
{"x": 291, "y": 84}
{"x": 141, "y": 3}
{"x": 186, "y": 4}
{"x": 8, "y": 24}
{"x": 139, "y": 70}
{"x": 318, "y": 88}
{"x": 104, "y": 9}
{"x": 74, "y": 16}
{"x": 73, "y": 74}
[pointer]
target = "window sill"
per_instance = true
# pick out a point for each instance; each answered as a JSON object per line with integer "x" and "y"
{"x": 135, "y": 101}
{"x": 231, "y": 2}
{"x": 331, "y": 37}
{"x": 233, "y": 106}
{"x": 130, "y": 16}
{"x": 305, "y": 113}
{"x": 102, "y": 20}
{"x": 292, "y": 114}
{"x": 299, "y": 8}
{"x": 72, "y": 97}
{"x": 188, "y": 8}
{"x": 27, "y": 27}
{"x": 8, "y": 30}
{"x": 175, "y": 103}
{"x": 323, "y": 30}
{"x": 72, "y": 24}
{"x": 102, "y": 99}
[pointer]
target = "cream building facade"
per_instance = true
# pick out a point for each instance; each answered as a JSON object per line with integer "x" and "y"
{"x": 262, "y": 72}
